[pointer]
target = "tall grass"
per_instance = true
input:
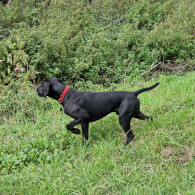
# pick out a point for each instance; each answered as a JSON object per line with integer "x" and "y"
{"x": 39, "y": 156}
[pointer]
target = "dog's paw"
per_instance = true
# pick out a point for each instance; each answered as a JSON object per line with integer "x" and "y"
{"x": 148, "y": 118}
{"x": 129, "y": 140}
{"x": 75, "y": 131}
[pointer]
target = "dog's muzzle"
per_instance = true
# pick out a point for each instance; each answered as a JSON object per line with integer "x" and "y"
{"x": 40, "y": 91}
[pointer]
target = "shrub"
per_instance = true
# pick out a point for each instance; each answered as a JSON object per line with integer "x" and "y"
{"x": 101, "y": 41}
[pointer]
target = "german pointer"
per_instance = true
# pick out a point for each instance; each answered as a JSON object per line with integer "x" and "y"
{"x": 86, "y": 107}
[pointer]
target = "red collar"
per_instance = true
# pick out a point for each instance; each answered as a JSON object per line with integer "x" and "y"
{"x": 63, "y": 94}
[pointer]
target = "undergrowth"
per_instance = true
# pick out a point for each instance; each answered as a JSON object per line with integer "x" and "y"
{"x": 102, "y": 41}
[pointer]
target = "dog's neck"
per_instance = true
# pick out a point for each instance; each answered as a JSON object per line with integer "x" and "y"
{"x": 57, "y": 91}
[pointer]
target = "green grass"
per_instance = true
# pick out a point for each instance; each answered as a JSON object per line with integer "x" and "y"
{"x": 39, "y": 156}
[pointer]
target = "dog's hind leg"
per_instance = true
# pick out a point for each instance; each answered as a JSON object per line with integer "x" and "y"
{"x": 140, "y": 115}
{"x": 125, "y": 124}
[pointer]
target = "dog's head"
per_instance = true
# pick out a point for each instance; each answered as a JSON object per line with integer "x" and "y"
{"x": 44, "y": 89}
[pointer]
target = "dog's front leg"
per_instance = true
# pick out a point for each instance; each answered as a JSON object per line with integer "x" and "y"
{"x": 71, "y": 125}
{"x": 85, "y": 127}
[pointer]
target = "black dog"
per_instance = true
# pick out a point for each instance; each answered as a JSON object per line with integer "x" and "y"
{"x": 87, "y": 107}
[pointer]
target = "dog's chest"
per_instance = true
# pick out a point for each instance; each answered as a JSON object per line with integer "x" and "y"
{"x": 71, "y": 110}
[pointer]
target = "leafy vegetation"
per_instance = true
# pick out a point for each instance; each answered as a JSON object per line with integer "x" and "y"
{"x": 102, "y": 41}
{"x": 38, "y": 155}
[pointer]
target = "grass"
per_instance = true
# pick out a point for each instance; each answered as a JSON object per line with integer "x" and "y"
{"x": 39, "y": 156}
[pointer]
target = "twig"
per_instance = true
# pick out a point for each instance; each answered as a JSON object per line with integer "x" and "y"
{"x": 151, "y": 68}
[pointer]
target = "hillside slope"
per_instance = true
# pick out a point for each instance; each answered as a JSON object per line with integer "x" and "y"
{"x": 38, "y": 155}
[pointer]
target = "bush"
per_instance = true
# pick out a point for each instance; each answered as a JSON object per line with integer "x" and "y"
{"x": 101, "y": 41}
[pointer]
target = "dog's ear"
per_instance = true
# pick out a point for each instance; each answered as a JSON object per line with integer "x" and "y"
{"x": 45, "y": 88}
{"x": 59, "y": 81}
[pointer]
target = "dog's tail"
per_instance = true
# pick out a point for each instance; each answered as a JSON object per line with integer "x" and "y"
{"x": 145, "y": 89}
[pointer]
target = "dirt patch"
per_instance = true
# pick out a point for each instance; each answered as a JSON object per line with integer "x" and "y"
{"x": 177, "y": 155}
{"x": 177, "y": 67}
{"x": 186, "y": 157}
{"x": 174, "y": 67}
{"x": 169, "y": 68}
{"x": 167, "y": 151}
